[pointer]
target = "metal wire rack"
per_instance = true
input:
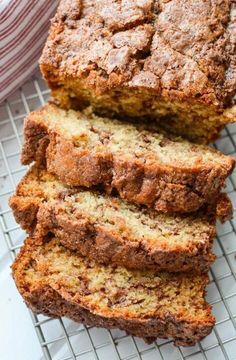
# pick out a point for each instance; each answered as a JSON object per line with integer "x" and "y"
{"x": 62, "y": 339}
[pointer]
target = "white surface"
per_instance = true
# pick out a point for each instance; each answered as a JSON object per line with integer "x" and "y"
{"x": 63, "y": 338}
{"x": 18, "y": 340}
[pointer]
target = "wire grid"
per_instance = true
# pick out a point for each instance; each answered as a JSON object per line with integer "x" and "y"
{"x": 62, "y": 339}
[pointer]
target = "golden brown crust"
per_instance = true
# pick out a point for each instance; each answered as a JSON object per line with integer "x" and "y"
{"x": 42, "y": 298}
{"x": 179, "y": 55}
{"x": 168, "y": 189}
{"x": 224, "y": 208}
{"x": 125, "y": 44}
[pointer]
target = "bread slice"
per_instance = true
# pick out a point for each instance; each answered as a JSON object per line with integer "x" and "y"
{"x": 57, "y": 282}
{"x": 145, "y": 167}
{"x": 109, "y": 230}
{"x": 171, "y": 61}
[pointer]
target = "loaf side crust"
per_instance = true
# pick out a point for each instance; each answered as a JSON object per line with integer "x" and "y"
{"x": 125, "y": 44}
{"x": 197, "y": 123}
{"x": 172, "y": 61}
{"x": 46, "y": 300}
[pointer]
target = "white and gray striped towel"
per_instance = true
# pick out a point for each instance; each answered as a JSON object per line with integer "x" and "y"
{"x": 23, "y": 30}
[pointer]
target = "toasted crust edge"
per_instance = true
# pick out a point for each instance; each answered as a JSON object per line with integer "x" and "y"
{"x": 104, "y": 246}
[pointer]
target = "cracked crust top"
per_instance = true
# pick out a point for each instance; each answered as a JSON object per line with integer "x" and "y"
{"x": 181, "y": 49}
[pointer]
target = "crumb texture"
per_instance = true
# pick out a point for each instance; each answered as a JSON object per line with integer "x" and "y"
{"x": 134, "y": 301}
{"x": 107, "y": 229}
{"x": 143, "y": 165}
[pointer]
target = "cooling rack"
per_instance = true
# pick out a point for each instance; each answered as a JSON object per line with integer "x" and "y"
{"x": 62, "y": 339}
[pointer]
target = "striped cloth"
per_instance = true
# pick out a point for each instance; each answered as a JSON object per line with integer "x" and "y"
{"x": 23, "y": 30}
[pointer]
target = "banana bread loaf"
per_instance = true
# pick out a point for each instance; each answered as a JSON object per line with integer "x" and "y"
{"x": 57, "y": 282}
{"x": 172, "y": 61}
{"x": 145, "y": 167}
{"x": 106, "y": 229}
